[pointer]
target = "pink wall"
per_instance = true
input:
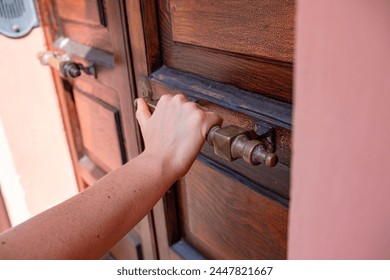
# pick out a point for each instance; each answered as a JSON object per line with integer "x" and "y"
{"x": 340, "y": 205}
{"x": 36, "y": 171}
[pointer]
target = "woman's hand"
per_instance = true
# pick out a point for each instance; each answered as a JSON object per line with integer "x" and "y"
{"x": 175, "y": 133}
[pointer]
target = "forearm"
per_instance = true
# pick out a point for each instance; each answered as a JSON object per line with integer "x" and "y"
{"x": 89, "y": 224}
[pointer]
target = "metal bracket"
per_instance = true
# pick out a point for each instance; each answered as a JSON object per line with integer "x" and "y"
{"x": 266, "y": 133}
{"x": 88, "y": 53}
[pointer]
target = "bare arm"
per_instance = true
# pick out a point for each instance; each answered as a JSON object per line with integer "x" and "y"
{"x": 87, "y": 225}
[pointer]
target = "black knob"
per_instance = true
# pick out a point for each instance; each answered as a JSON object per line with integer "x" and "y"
{"x": 70, "y": 69}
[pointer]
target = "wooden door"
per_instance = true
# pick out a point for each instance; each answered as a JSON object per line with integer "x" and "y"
{"x": 97, "y": 110}
{"x": 235, "y": 58}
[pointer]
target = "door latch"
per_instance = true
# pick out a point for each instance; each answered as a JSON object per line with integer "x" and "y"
{"x": 232, "y": 142}
{"x": 66, "y": 67}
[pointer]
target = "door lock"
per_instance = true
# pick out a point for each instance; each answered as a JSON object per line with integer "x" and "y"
{"x": 232, "y": 142}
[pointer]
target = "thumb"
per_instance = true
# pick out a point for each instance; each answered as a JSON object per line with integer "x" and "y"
{"x": 143, "y": 113}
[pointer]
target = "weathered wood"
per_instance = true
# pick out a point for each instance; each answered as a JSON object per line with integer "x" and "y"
{"x": 86, "y": 12}
{"x": 227, "y": 210}
{"x": 94, "y": 87}
{"x": 254, "y": 105}
{"x": 269, "y": 77}
{"x": 224, "y": 219}
{"x": 254, "y": 28}
{"x": 162, "y": 238}
{"x": 95, "y": 36}
{"x": 101, "y": 131}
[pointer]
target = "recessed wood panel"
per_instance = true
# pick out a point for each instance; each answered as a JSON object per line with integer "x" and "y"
{"x": 265, "y": 76}
{"x": 94, "y": 36}
{"x": 84, "y": 11}
{"x": 254, "y": 28}
{"x": 101, "y": 131}
{"x": 225, "y": 219}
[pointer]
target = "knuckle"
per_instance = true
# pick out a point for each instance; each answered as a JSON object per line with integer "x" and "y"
{"x": 179, "y": 97}
{"x": 164, "y": 99}
{"x": 199, "y": 117}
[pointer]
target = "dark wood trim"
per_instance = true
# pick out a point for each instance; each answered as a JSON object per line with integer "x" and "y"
{"x": 118, "y": 20}
{"x": 169, "y": 249}
{"x": 102, "y": 12}
{"x": 260, "y": 107}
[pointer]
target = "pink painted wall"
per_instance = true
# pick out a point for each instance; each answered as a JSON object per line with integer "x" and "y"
{"x": 36, "y": 171}
{"x": 340, "y": 200}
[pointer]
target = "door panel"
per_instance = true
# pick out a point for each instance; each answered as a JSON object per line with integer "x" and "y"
{"x": 221, "y": 209}
{"x": 100, "y": 125}
{"x": 268, "y": 72}
{"x": 88, "y": 12}
{"x": 85, "y": 22}
{"x": 212, "y": 205}
{"x": 234, "y": 26}
{"x": 98, "y": 109}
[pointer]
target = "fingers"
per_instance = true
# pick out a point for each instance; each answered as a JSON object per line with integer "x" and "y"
{"x": 143, "y": 113}
{"x": 176, "y": 103}
{"x": 211, "y": 120}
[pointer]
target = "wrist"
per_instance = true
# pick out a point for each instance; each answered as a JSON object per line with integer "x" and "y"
{"x": 160, "y": 166}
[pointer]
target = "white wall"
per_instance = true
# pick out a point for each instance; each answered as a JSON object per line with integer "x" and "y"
{"x": 35, "y": 166}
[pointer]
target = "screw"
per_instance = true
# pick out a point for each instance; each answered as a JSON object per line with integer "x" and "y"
{"x": 16, "y": 28}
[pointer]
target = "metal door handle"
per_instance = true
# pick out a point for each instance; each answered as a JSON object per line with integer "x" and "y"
{"x": 232, "y": 142}
{"x": 66, "y": 67}
{"x": 72, "y": 49}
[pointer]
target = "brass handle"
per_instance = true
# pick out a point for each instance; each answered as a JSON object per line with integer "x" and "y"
{"x": 232, "y": 142}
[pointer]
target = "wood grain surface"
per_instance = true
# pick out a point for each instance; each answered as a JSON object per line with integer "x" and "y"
{"x": 251, "y": 27}
{"x": 264, "y": 75}
{"x": 224, "y": 219}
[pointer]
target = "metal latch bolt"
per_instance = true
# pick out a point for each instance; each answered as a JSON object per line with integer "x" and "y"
{"x": 232, "y": 142}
